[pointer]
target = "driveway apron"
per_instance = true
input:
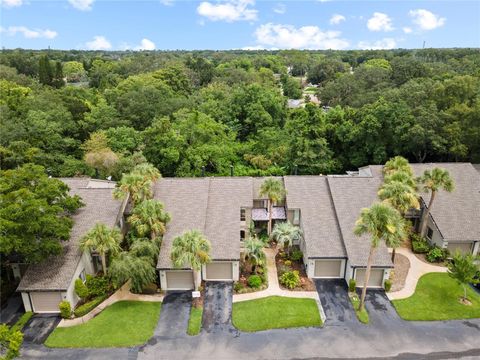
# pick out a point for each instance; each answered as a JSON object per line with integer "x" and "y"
{"x": 217, "y": 307}
{"x": 174, "y": 316}
{"x": 39, "y": 327}
{"x": 338, "y": 309}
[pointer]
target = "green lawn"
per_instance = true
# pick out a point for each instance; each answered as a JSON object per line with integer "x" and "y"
{"x": 436, "y": 298}
{"x": 275, "y": 312}
{"x": 361, "y": 315}
{"x": 195, "y": 321}
{"x": 125, "y": 323}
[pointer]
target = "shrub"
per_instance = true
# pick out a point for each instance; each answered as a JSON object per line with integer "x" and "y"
{"x": 259, "y": 270}
{"x": 296, "y": 255}
{"x": 254, "y": 281}
{"x": 10, "y": 342}
{"x": 352, "y": 284}
{"x": 290, "y": 279}
{"x": 436, "y": 254}
{"x": 282, "y": 269}
{"x": 22, "y": 321}
{"x": 65, "y": 309}
{"x": 150, "y": 289}
{"x": 419, "y": 244}
{"x": 288, "y": 263}
{"x": 81, "y": 289}
{"x": 238, "y": 286}
{"x": 88, "y": 306}
{"x": 388, "y": 285}
{"x": 98, "y": 286}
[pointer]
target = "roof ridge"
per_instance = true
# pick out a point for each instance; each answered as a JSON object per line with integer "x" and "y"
{"x": 207, "y": 205}
{"x": 337, "y": 222}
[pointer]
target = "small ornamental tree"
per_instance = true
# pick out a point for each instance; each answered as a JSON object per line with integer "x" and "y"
{"x": 464, "y": 270}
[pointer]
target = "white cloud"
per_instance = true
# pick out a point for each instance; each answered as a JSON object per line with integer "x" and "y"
{"x": 82, "y": 5}
{"x": 305, "y": 37}
{"x": 146, "y": 44}
{"x": 407, "y": 30}
{"x": 280, "y": 8}
{"x": 380, "y": 22}
{"x": 98, "y": 43}
{"x": 11, "y": 3}
{"x": 29, "y": 33}
{"x": 426, "y": 20}
{"x": 386, "y": 43}
{"x": 167, "y": 2}
{"x": 229, "y": 11}
{"x": 336, "y": 19}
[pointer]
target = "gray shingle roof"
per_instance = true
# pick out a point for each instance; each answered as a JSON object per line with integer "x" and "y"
{"x": 457, "y": 214}
{"x": 56, "y": 273}
{"x": 210, "y": 205}
{"x": 320, "y": 227}
{"x": 350, "y": 195}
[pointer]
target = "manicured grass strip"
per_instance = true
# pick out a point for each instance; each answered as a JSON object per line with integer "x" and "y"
{"x": 22, "y": 321}
{"x": 275, "y": 312}
{"x": 195, "y": 321}
{"x": 125, "y": 323}
{"x": 436, "y": 298}
{"x": 361, "y": 315}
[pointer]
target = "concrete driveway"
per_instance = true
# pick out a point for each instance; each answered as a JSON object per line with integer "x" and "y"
{"x": 217, "y": 306}
{"x": 39, "y": 327}
{"x": 173, "y": 321}
{"x": 338, "y": 309}
{"x": 14, "y": 309}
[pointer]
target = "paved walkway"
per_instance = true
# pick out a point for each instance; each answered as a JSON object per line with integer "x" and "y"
{"x": 273, "y": 285}
{"x": 417, "y": 269}
{"x": 122, "y": 294}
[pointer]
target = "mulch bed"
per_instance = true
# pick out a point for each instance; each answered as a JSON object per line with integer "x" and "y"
{"x": 400, "y": 271}
{"x": 305, "y": 283}
{"x": 245, "y": 273}
{"x": 423, "y": 258}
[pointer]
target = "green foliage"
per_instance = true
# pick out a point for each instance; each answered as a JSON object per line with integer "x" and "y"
{"x": 352, "y": 284}
{"x": 139, "y": 270}
{"x": 387, "y": 285}
{"x": 464, "y": 270}
{"x": 190, "y": 249}
{"x": 254, "y": 251}
{"x": 296, "y": 255}
{"x": 18, "y": 326}
{"x": 419, "y": 244}
{"x": 149, "y": 218}
{"x": 10, "y": 342}
{"x": 238, "y": 287}
{"x": 195, "y": 321}
{"x": 34, "y": 212}
{"x": 290, "y": 279}
{"x": 288, "y": 263}
{"x": 88, "y": 306}
{"x": 81, "y": 289}
{"x": 291, "y": 87}
{"x": 97, "y": 285}
{"x": 436, "y": 254}
{"x": 254, "y": 281}
{"x": 65, "y": 309}
{"x": 286, "y": 234}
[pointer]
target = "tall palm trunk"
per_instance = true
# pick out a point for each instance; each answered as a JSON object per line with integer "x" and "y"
{"x": 367, "y": 278}
{"x": 425, "y": 214}
{"x": 195, "y": 285}
{"x": 269, "y": 217}
{"x": 393, "y": 255}
{"x": 104, "y": 263}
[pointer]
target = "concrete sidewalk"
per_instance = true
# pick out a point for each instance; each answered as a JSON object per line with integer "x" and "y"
{"x": 418, "y": 268}
{"x": 273, "y": 285}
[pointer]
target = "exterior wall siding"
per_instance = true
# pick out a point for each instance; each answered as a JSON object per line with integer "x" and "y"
{"x": 26, "y": 301}
{"x": 86, "y": 264}
{"x": 476, "y": 248}
{"x": 436, "y": 236}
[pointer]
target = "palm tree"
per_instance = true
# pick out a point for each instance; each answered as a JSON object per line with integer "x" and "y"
{"x": 102, "y": 240}
{"x": 401, "y": 197}
{"x": 274, "y": 190}
{"x": 403, "y": 177}
{"x": 382, "y": 223}
{"x": 254, "y": 252}
{"x": 432, "y": 181}
{"x": 191, "y": 249}
{"x": 286, "y": 234}
{"x": 136, "y": 185}
{"x": 398, "y": 163}
{"x": 149, "y": 218}
{"x": 148, "y": 171}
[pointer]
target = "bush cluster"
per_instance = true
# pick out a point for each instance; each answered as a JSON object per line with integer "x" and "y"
{"x": 10, "y": 340}
{"x": 254, "y": 281}
{"x": 98, "y": 285}
{"x": 436, "y": 254}
{"x": 290, "y": 279}
{"x": 81, "y": 289}
{"x": 65, "y": 309}
{"x": 419, "y": 244}
{"x": 388, "y": 285}
{"x": 296, "y": 255}
{"x": 88, "y": 306}
{"x": 352, "y": 284}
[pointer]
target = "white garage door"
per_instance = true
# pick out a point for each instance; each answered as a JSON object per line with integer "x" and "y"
{"x": 376, "y": 277}
{"x": 328, "y": 268}
{"x": 179, "y": 280}
{"x": 219, "y": 271}
{"x": 46, "y": 302}
{"x": 463, "y": 248}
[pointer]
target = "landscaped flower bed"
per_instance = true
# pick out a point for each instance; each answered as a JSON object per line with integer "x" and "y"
{"x": 291, "y": 271}
{"x": 250, "y": 279}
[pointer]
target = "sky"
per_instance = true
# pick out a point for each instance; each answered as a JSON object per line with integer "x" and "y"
{"x": 238, "y": 24}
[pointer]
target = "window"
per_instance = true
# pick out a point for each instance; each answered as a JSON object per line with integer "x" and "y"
{"x": 83, "y": 276}
{"x": 429, "y": 233}
{"x": 242, "y": 214}
{"x": 296, "y": 217}
{"x": 242, "y": 235}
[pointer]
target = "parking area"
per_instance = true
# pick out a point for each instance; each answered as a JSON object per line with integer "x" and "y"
{"x": 333, "y": 295}
{"x": 217, "y": 306}
{"x": 39, "y": 327}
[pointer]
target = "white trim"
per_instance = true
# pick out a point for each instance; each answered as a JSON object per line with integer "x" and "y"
{"x": 342, "y": 268}
{"x": 232, "y": 263}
